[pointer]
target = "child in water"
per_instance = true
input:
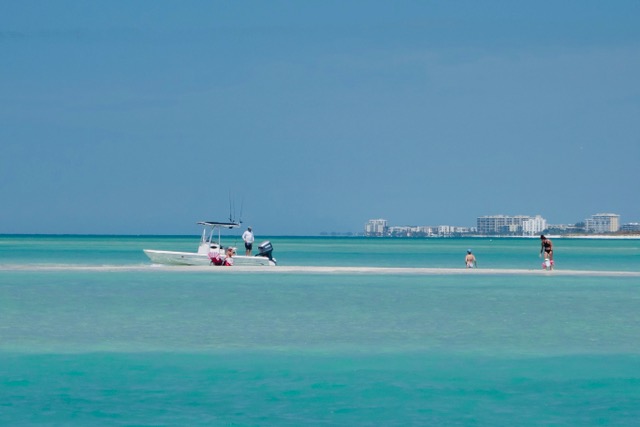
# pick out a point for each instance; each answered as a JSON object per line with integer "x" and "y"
{"x": 470, "y": 260}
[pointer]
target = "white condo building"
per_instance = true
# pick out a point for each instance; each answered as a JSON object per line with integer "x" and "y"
{"x": 602, "y": 223}
{"x": 533, "y": 226}
{"x": 504, "y": 224}
{"x": 375, "y": 227}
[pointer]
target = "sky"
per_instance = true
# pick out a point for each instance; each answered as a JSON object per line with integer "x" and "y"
{"x": 303, "y": 117}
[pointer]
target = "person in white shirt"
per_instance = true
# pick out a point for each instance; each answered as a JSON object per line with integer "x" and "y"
{"x": 248, "y": 238}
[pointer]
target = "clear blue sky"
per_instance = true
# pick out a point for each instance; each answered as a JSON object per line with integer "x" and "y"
{"x": 142, "y": 117}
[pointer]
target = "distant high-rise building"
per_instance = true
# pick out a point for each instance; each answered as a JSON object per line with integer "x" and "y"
{"x": 632, "y": 227}
{"x": 533, "y": 226}
{"x": 504, "y": 224}
{"x": 602, "y": 223}
{"x": 375, "y": 227}
{"x": 492, "y": 224}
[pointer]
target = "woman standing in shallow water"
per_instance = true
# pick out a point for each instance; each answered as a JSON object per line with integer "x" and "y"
{"x": 546, "y": 246}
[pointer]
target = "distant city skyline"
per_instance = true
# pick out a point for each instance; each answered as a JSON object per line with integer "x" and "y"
{"x": 142, "y": 118}
{"x": 505, "y": 224}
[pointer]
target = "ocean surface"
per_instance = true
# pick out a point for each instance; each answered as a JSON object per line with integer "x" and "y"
{"x": 91, "y": 333}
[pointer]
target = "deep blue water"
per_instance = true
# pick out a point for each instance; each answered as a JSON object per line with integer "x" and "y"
{"x": 161, "y": 347}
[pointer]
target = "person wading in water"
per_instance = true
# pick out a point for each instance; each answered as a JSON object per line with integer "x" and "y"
{"x": 546, "y": 246}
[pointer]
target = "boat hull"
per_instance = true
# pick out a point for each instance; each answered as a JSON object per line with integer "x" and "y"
{"x": 191, "y": 258}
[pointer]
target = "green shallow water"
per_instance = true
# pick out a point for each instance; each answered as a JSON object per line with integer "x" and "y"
{"x": 302, "y": 389}
{"x": 513, "y": 253}
{"x": 156, "y": 347}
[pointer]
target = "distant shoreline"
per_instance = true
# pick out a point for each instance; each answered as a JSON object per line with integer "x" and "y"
{"x": 342, "y": 236}
{"x": 576, "y": 236}
{"x": 500, "y": 236}
{"x": 619, "y": 237}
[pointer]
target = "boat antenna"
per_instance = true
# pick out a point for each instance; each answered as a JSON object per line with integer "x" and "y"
{"x": 230, "y": 208}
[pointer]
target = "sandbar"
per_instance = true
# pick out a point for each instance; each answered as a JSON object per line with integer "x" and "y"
{"x": 320, "y": 270}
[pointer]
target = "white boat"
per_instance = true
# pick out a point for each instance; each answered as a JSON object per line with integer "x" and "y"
{"x": 209, "y": 248}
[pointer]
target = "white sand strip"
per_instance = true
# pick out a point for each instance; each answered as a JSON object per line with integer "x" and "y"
{"x": 321, "y": 270}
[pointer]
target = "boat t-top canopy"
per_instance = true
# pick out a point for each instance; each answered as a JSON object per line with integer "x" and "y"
{"x": 220, "y": 224}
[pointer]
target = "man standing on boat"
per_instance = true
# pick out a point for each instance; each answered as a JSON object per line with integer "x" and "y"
{"x": 248, "y": 238}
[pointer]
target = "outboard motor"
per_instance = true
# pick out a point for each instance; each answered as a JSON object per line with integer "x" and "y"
{"x": 266, "y": 249}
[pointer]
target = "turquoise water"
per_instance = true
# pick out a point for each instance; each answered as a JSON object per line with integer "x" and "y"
{"x": 570, "y": 254}
{"x": 172, "y": 347}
